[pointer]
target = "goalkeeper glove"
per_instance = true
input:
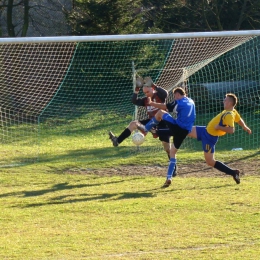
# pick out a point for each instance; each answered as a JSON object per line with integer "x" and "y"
{"x": 148, "y": 82}
{"x": 139, "y": 84}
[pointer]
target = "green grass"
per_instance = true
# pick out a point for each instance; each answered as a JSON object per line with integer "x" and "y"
{"x": 84, "y": 140}
{"x": 58, "y": 208}
{"x": 46, "y": 213}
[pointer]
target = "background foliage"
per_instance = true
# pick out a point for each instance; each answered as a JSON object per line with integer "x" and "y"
{"x": 90, "y": 17}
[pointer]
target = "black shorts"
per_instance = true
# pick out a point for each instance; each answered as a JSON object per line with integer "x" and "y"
{"x": 178, "y": 133}
{"x": 163, "y": 137}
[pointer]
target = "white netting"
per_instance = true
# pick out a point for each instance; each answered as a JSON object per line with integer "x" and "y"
{"x": 55, "y": 95}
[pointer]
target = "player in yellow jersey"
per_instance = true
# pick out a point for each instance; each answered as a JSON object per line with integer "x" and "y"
{"x": 220, "y": 125}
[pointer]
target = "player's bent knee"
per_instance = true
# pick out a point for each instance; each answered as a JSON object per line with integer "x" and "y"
{"x": 132, "y": 126}
{"x": 159, "y": 114}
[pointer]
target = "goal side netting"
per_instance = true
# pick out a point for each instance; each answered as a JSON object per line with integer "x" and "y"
{"x": 60, "y": 96}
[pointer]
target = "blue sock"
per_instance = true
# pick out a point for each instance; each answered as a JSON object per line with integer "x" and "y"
{"x": 153, "y": 122}
{"x": 171, "y": 168}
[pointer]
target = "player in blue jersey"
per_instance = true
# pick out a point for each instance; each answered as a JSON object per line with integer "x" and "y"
{"x": 179, "y": 128}
{"x": 220, "y": 125}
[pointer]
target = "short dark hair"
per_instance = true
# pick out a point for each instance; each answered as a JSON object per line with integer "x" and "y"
{"x": 179, "y": 90}
{"x": 233, "y": 97}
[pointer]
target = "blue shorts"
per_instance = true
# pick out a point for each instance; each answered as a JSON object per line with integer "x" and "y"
{"x": 208, "y": 141}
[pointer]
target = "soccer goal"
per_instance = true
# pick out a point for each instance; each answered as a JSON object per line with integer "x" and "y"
{"x": 59, "y": 96}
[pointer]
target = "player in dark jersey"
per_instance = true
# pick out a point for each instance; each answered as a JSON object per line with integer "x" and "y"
{"x": 179, "y": 128}
{"x": 220, "y": 125}
{"x": 154, "y": 93}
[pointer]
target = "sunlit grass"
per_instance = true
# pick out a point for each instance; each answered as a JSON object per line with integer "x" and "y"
{"x": 56, "y": 215}
{"x": 53, "y": 205}
{"x": 84, "y": 140}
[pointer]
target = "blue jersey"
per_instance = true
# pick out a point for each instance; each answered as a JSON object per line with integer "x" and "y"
{"x": 185, "y": 110}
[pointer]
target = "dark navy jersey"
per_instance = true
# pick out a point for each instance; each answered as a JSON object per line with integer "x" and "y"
{"x": 185, "y": 110}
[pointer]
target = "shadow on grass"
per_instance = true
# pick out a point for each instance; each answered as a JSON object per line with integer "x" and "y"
{"x": 68, "y": 199}
{"x": 97, "y": 154}
{"x": 54, "y": 188}
{"x": 80, "y": 155}
{"x": 103, "y": 197}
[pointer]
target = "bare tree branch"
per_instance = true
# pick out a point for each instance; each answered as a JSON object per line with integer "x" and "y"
{"x": 242, "y": 15}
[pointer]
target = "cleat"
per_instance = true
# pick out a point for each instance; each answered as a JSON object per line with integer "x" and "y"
{"x": 167, "y": 184}
{"x": 113, "y": 138}
{"x": 236, "y": 176}
{"x": 141, "y": 128}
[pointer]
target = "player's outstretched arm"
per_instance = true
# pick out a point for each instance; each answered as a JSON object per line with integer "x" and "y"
{"x": 244, "y": 126}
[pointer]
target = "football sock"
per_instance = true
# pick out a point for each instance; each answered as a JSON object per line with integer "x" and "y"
{"x": 126, "y": 133}
{"x": 152, "y": 123}
{"x": 174, "y": 171}
{"x": 223, "y": 168}
{"x": 171, "y": 168}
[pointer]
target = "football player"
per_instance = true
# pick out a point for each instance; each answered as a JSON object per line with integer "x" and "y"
{"x": 220, "y": 125}
{"x": 179, "y": 128}
{"x": 154, "y": 93}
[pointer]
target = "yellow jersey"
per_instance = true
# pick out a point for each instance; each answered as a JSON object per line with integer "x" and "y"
{"x": 225, "y": 118}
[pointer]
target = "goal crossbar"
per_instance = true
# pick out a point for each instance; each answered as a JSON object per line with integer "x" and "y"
{"x": 129, "y": 37}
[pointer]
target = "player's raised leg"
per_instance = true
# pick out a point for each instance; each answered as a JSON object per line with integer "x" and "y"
{"x": 152, "y": 123}
{"x": 125, "y": 134}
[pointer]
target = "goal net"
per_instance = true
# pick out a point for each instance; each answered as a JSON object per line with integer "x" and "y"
{"x": 60, "y": 96}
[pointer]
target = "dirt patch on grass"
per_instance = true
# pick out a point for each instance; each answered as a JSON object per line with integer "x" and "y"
{"x": 199, "y": 169}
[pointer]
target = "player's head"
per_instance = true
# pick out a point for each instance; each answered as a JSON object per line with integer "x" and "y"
{"x": 178, "y": 93}
{"x": 230, "y": 100}
{"x": 148, "y": 91}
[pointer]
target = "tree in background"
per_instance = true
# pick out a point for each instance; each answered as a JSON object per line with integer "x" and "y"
{"x": 215, "y": 15}
{"x": 33, "y": 17}
{"x": 124, "y": 17}
{"x": 105, "y": 17}
{"x": 91, "y": 17}
{"x": 100, "y": 17}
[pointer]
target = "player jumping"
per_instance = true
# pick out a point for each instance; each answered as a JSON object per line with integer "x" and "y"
{"x": 220, "y": 125}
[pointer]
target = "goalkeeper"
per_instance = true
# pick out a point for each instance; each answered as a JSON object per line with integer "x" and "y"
{"x": 155, "y": 93}
{"x": 220, "y": 125}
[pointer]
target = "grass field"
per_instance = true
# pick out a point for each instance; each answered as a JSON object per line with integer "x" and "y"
{"x": 71, "y": 204}
{"x": 60, "y": 211}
